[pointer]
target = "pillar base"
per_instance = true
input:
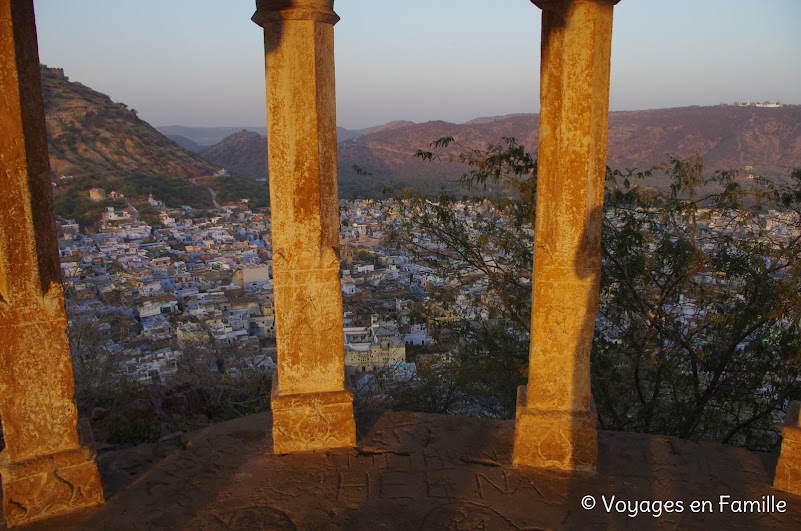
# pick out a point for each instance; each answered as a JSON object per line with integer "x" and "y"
{"x": 788, "y": 469}
{"x": 557, "y": 440}
{"x": 49, "y": 485}
{"x": 312, "y": 421}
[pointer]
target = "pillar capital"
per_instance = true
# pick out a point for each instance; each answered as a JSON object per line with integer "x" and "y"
{"x": 548, "y": 4}
{"x": 269, "y": 11}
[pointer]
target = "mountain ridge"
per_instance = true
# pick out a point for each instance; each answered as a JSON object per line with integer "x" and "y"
{"x": 756, "y": 140}
{"x": 90, "y": 135}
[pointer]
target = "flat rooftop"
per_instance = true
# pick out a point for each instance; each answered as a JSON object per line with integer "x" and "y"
{"x": 423, "y": 471}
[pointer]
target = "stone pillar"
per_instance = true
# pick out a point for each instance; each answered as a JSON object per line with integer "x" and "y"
{"x": 555, "y": 423}
{"x": 311, "y": 402}
{"x": 45, "y": 468}
{"x": 788, "y": 469}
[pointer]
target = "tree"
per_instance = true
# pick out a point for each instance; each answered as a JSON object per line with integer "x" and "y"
{"x": 96, "y": 368}
{"x": 365, "y": 256}
{"x": 231, "y": 382}
{"x": 700, "y": 306}
{"x": 489, "y": 250}
{"x": 433, "y": 388}
{"x": 698, "y": 329}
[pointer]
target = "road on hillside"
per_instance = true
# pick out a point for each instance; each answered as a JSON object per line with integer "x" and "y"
{"x": 213, "y": 198}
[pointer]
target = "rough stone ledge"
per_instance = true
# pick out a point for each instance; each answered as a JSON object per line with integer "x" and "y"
{"x": 419, "y": 471}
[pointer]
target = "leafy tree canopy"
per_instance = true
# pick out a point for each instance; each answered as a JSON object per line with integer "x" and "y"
{"x": 698, "y": 329}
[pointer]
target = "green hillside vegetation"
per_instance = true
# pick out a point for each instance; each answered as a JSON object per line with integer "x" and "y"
{"x": 232, "y": 188}
{"x": 82, "y": 209}
{"x": 72, "y": 201}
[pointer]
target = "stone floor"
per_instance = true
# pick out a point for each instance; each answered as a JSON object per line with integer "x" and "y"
{"x": 416, "y": 471}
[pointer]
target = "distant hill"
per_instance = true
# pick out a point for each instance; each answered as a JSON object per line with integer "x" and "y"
{"x": 764, "y": 141}
{"x": 89, "y": 133}
{"x": 388, "y": 153}
{"x": 185, "y": 143}
{"x": 208, "y": 136}
{"x": 728, "y": 137}
{"x": 243, "y": 153}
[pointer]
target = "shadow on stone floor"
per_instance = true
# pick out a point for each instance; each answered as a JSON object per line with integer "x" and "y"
{"x": 419, "y": 471}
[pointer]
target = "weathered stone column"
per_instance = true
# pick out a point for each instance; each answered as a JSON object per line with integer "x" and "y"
{"x": 788, "y": 469}
{"x": 311, "y": 402}
{"x": 45, "y": 469}
{"x": 556, "y": 421}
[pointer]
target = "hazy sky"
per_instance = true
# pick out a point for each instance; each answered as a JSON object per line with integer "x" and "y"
{"x": 200, "y": 62}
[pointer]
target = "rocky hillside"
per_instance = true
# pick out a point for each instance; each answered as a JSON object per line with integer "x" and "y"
{"x": 758, "y": 140}
{"x": 728, "y": 137}
{"x": 98, "y": 143}
{"x": 388, "y": 153}
{"x": 90, "y": 134}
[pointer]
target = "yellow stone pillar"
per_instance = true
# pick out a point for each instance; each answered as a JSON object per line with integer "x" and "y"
{"x": 788, "y": 469}
{"x": 311, "y": 402}
{"x": 555, "y": 424}
{"x": 45, "y": 469}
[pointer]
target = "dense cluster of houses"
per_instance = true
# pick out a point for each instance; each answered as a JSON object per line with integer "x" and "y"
{"x": 151, "y": 291}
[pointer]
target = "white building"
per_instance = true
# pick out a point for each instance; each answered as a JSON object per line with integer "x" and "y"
{"x": 417, "y": 335}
